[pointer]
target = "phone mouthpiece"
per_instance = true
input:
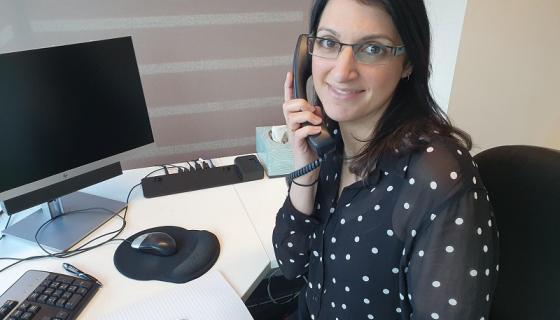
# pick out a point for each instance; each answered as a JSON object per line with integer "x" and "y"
{"x": 322, "y": 142}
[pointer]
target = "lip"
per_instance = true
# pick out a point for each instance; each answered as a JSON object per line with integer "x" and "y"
{"x": 344, "y": 93}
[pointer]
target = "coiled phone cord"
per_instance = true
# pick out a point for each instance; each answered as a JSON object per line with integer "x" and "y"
{"x": 305, "y": 170}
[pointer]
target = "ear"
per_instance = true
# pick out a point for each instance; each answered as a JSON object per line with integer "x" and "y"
{"x": 407, "y": 70}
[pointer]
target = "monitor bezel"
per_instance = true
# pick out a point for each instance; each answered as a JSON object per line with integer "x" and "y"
{"x": 74, "y": 174}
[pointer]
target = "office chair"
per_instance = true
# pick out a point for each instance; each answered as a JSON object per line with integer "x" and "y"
{"x": 524, "y": 187}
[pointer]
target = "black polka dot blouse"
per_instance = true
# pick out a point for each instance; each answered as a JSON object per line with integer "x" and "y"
{"x": 418, "y": 240}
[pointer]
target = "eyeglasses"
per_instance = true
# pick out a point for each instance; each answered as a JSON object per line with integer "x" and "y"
{"x": 366, "y": 52}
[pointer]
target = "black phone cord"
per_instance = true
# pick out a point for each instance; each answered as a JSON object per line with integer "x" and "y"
{"x": 305, "y": 170}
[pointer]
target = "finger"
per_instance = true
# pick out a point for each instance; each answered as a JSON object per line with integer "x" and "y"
{"x": 306, "y": 131}
{"x": 296, "y": 105}
{"x": 319, "y": 111}
{"x": 288, "y": 87}
{"x": 296, "y": 119}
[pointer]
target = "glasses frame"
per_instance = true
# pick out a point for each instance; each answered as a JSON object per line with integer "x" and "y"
{"x": 393, "y": 50}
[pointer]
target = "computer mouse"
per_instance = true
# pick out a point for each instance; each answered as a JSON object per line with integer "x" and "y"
{"x": 156, "y": 243}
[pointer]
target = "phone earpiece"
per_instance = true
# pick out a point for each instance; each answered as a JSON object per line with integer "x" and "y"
{"x": 322, "y": 143}
{"x": 301, "y": 68}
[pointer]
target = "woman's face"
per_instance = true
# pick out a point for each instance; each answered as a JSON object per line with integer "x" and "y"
{"x": 349, "y": 90}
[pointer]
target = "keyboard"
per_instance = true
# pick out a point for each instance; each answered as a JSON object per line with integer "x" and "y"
{"x": 42, "y": 295}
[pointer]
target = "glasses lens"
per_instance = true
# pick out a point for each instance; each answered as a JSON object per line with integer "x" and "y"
{"x": 367, "y": 53}
{"x": 371, "y": 53}
{"x": 324, "y": 48}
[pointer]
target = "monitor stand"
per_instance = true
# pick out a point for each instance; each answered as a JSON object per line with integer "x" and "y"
{"x": 69, "y": 228}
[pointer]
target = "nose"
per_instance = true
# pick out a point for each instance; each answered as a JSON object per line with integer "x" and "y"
{"x": 345, "y": 65}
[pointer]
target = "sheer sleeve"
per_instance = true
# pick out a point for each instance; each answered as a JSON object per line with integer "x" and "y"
{"x": 290, "y": 238}
{"x": 453, "y": 265}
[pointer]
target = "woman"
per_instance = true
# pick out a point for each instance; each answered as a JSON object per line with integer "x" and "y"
{"x": 396, "y": 223}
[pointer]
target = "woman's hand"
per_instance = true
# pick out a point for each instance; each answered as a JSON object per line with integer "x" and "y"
{"x": 297, "y": 112}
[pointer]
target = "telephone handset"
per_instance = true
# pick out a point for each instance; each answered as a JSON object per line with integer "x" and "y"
{"x": 322, "y": 142}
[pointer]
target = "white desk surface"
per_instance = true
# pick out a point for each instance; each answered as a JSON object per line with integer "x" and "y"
{"x": 262, "y": 199}
{"x": 242, "y": 261}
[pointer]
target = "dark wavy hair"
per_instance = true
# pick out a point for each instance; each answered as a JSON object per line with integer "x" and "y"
{"x": 413, "y": 118}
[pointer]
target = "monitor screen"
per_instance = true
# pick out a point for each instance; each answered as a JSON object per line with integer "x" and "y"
{"x": 67, "y": 111}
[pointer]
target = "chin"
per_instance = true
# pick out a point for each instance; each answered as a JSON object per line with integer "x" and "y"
{"x": 339, "y": 113}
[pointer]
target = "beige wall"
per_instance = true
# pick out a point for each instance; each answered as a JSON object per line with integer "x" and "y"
{"x": 212, "y": 70}
{"x": 507, "y": 78}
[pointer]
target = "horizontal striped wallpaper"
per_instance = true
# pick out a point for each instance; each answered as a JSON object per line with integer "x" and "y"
{"x": 212, "y": 70}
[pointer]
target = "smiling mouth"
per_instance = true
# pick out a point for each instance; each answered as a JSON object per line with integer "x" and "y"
{"x": 343, "y": 93}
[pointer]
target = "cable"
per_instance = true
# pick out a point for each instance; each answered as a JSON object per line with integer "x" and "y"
{"x": 53, "y": 219}
{"x": 305, "y": 170}
{"x": 7, "y": 224}
{"x": 82, "y": 248}
{"x": 278, "y": 300}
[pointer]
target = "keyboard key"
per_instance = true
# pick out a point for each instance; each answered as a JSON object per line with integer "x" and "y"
{"x": 34, "y": 308}
{"x": 33, "y": 297}
{"x": 73, "y": 301}
{"x": 65, "y": 279}
{"x": 82, "y": 283}
{"x": 52, "y": 301}
{"x": 23, "y": 306}
{"x": 62, "y": 314}
{"x": 81, "y": 291}
{"x": 61, "y": 302}
{"x": 27, "y": 316}
{"x": 42, "y": 298}
{"x": 10, "y": 304}
{"x": 40, "y": 289}
{"x": 56, "y": 297}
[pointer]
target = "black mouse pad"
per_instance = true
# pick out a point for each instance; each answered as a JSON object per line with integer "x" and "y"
{"x": 197, "y": 251}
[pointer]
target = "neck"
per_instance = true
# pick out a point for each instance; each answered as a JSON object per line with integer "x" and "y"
{"x": 356, "y": 134}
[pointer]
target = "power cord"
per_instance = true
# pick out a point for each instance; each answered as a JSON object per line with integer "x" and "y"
{"x": 287, "y": 298}
{"x": 84, "y": 247}
{"x": 6, "y": 226}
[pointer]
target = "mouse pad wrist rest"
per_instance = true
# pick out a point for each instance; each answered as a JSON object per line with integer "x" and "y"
{"x": 197, "y": 251}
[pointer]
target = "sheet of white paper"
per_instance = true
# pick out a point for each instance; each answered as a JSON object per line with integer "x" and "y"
{"x": 209, "y": 297}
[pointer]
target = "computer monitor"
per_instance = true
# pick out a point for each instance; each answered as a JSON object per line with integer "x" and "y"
{"x": 68, "y": 116}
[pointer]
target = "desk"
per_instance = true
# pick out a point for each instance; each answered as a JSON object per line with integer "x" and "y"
{"x": 243, "y": 260}
{"x": 262, "y": 199}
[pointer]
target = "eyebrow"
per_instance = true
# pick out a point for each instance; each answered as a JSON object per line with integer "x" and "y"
{"x": 366, "y": 38}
